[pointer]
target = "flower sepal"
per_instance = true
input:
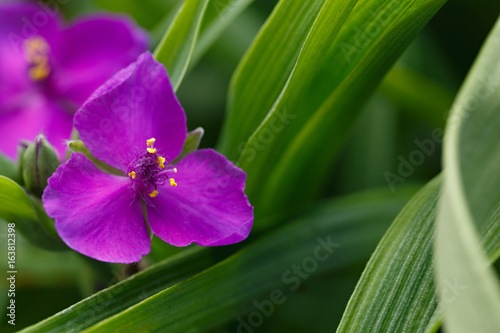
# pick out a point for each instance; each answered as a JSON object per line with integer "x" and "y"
{"x": 39, "y": 161}
{"x": 191, "y": 144}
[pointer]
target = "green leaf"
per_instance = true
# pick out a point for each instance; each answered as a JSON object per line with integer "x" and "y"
{"x": 471, "y": 195}
{"x": 17, "y": 208}
{"x": 176, "y": 48}
{"x": 78, "y": 146}
{"x": 192, "y": 143}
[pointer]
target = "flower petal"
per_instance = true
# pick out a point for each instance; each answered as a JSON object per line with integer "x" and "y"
{"x": 29, "y": 121}
{"x": 208, "y": 207}
{"x": 96, "y": 213}
{"x": 96, "y": 47}
{"x": 136, "y": 104}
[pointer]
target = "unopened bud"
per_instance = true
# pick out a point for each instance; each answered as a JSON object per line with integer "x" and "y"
{"x": 39, "y": 162}
{"x": 23, "y": 145}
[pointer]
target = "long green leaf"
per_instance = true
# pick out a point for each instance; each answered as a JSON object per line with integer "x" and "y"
{"x": 396, "y": 292}
{"x": 127, "y": 293}
{"x": 471, "y": 194}
{"x": 177, "y": 46}
{"x": 332, "y": 238}
{"x": 324, "y": 99}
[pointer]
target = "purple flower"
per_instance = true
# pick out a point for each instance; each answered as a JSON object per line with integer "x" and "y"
{"x": 135, "y": 124}
{"x": 48, "y": 70}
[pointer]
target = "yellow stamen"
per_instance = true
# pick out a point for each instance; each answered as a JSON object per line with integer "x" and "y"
{"x": 39, "y": 72}
{"x": 35, "y": 46}
{"x": 172, "y": 182}
{"x": 36, "y": 51}
{"x": 153, "y": 194}
{"x": 132, "y": 174}
{"x": 160, "y": 161}
{"x": 175, "y": 170}
{"x": 151, "y": 141}
{"x": 151, "y": 150}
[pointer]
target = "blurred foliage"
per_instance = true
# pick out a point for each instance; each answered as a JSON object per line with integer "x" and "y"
{"x": 385, "y": 132}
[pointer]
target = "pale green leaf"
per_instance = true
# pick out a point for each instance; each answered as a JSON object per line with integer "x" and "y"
{"x": 471, "y": 195}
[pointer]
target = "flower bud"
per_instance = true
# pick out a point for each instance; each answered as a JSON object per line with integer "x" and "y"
{"x": 21, "y": 148}
{"x": 39, "y": 162}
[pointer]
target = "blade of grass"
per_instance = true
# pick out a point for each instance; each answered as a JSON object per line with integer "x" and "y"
{"x": 264, "y": 71}
{"x": 177, "y": 46}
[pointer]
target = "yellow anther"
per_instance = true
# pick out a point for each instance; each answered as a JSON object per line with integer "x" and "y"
{"x": 153, "y": 194}
{"x": 175, "y": 170}
{"x": 151, "y": 142}
{"x": 151, "y": 150}
{"x": 160, "y": 161}
{"x": 132, "y": 174}
{"x": 172, "y": 182}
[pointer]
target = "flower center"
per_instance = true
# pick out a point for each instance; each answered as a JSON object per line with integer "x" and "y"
{"x": 148, "y": 171}
{"x": 36, "y": 52}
